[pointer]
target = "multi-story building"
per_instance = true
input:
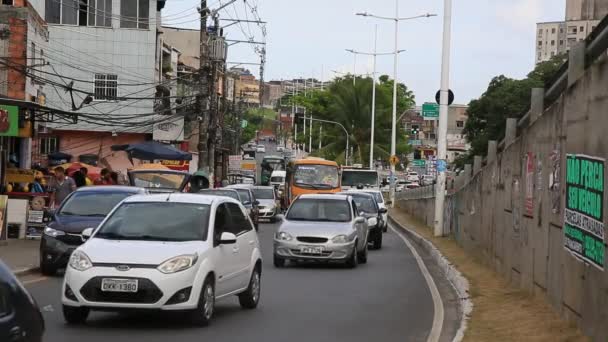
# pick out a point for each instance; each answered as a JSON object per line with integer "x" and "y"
{"x": 23, "y": 45}
{"x": 247, "y": 87}
{"x": 273, "y": 91}
{"x": 556, "y": 38}
{"x": 109, "y": 53}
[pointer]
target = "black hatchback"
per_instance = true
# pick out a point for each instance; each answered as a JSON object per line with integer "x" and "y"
{"x": 84, "y": 208}
{"x": 20, "y": 317}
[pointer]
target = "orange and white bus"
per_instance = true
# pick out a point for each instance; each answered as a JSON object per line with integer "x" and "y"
{"x": 311, "y": 176}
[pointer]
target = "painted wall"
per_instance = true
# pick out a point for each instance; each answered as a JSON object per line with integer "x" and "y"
{"x": 510, "y": 215}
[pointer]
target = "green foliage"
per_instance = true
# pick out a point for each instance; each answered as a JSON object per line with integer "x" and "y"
{"x": 351, "y": 106}
{"x": 504, "y": 98}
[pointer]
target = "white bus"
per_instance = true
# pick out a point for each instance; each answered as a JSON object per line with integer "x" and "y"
{"x": 353, "y": 178}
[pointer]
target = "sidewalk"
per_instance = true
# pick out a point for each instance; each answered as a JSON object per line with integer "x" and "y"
{"x": 500, "y": 312}
{"x": 20, "y": 255}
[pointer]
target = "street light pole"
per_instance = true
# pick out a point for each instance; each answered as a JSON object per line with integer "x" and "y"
{"x": 443, "y": 119}
{"x": 394, "y": 123}
{"x": 345, "y": 131}
{"x": 371, "y": 144}
{"x": 355, "y": 71}
{"x": 310, "y": 136}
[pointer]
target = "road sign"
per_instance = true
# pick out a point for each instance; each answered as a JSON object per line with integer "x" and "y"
{"x": 244, "y": 124}
{"x": 430, "y": 110}
{"x": 441, "y": 165}
{"x": 394, "y": 160}
{"x": 418, "y": 162}
{"x": 415, "y": 142}
{"x": 450, "y": 97}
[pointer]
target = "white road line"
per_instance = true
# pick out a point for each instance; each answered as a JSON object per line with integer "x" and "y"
{"x": 32, "y": 281}
{"x": 437, "y": 302}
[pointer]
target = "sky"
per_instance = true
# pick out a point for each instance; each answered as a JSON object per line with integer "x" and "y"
{"x": 309, "y": 38}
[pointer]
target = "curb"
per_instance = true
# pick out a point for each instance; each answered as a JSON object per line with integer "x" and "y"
{"x": 25, "y": 271}
{"x": 456, "y": 279}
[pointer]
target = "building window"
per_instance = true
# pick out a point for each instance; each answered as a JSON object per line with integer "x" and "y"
{"x": 553, "y": 30}
{"x": 7, "y": 2}
{"x": 540, "y": 33}
{"x": 552, "y": 54}
{"x": 561, "y": 30}
{"x": 49, "y": 145}
{"x": 79, "y": 12}
{"x": 135, "y": 14}
{"x": 460, "y": 124}
{"x": 572, "y": 29}
{"x": 582, "y": 28}
{"x": 553, "y": 43}
{"x": 106, "y": 87}
{"x": 432, "y": 136}
{"x": 540, "y": 43}
{"x": 561, "y": 42}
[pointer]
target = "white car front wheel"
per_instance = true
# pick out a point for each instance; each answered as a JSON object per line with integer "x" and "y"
{"x": 206, "y": 304}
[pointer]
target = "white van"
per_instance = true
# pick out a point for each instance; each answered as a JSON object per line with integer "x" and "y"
{"x": 277, "y": 179}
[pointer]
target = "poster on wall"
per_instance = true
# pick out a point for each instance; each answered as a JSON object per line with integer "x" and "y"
{"x": 3, "y": 221}
{"x": 584, "y": 214}
{"x": 9, "y": 121}
{"x": 529, "y": 184}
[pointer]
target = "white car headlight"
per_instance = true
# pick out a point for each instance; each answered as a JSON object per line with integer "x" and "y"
{"x": 178, "y": 263}
{"x": 372, "y": 221}
{"x": 80, "y": 261}
{"x": 340, "y": 239}
{"x": 284, "y": 236}
{"x": 53, "y": 232}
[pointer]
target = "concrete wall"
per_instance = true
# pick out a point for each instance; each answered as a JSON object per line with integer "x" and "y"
{"x": 488, "y": 215}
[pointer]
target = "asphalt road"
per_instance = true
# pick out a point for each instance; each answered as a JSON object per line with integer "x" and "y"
{"x": 385, "y": 300}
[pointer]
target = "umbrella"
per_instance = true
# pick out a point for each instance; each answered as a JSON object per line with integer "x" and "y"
{"x": 152, "y": 150}
{"x": 93, "y": 171}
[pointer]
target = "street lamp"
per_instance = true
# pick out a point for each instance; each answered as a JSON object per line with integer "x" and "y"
{"x": 345, "y": 131}
{"x": 396, "y": 19}
{"x": 374, "y": 54}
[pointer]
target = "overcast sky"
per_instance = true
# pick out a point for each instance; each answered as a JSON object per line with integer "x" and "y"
{"x": 489, "y": 38}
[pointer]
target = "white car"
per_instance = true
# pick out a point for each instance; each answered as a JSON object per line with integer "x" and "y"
{"x": 172, "y": 252}
{"x": 412, "y": 176}
{"x": 280, "y": 149}
{"x": 260, "y": 149}
{"x": 381, "y": 204}
{"x": 428, "y": 179}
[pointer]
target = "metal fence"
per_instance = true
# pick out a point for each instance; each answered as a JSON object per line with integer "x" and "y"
{"x": 417, "y": 193}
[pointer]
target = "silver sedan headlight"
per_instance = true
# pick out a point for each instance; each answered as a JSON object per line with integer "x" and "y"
{"x": 53, "y": 232}
{"x": 340, "y": 239}
{"x": 283, "y": 236}
{"x": 372, "y": 221}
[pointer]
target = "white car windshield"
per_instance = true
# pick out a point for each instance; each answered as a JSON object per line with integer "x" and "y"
{"x": 378, "y": 196}
{"x": 319, "y": 210}
{"x": 157, "y": 221}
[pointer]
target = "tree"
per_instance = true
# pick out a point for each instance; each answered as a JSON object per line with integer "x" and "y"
{"x": 504, "y": 98}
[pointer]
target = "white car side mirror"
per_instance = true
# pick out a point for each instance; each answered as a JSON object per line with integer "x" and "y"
{"x": 227, "y": 238}
{"x": 86, "y": 234}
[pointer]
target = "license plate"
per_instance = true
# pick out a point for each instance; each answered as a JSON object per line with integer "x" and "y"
{"x": 311, "y": 250}
{"x": 119, "y": 285}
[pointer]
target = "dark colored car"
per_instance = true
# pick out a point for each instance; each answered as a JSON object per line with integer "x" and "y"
{"x": 159, "y": 181}
{"x": 20, "y": 317}
{"x": 84, "y": 208}
{"x": 249, "y": 201}
{"x": 368, "y": 208}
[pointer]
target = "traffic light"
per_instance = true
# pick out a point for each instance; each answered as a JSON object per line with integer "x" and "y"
{"x": 415, "y": 130}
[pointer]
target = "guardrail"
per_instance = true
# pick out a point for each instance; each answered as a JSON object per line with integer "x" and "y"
{"x": 417, "y": 193}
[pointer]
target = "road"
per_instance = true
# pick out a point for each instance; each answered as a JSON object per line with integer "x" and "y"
{"x": 385, "y": 300}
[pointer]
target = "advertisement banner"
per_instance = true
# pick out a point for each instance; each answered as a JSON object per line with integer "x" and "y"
{"x": 584, "y": 214}
{"x": 170, "y": 130}
{"x": 9, "y": 121}
{"x": 234, "y": 162}
{"x": 529, "y": 208}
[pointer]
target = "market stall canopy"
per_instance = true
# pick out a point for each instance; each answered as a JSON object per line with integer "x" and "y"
{"x": 93, "y": 172}
{"x": 152, "y": 150}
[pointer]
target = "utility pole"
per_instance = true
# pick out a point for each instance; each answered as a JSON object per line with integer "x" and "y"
{"x": 203, "y": 98}
{"x": 262, "y": 64}
{"x": 310, "y": 136}
{"x": 320, "y": 136}
{"x": 443, "y": 119}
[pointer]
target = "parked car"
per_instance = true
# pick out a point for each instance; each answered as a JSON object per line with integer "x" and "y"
{"x": 171, "y": 252}
{"x": 322, "y": 227}
{"x": 280, "y": 148}
{"x": 412, "y": 185}
{"x": 260, "y": 149}
{"x": 20, "y": 317}
{"x": 84, "y": 208}
{"x": 368, "y": 208}
{"x": 249, "y": 201}
{"x": 269, "y": 202}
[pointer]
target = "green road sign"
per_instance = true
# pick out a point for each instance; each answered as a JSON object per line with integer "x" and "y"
{"x": 430, "y": 110}
{"x": 244, "y": 124}
{"x": 415, "y": 142}
{"x": 419, "y": 162}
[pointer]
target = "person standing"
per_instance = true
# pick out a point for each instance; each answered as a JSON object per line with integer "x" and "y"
{"x": 105, "y": 179}
{"x": 60, "y": 187}
{"x": 85, "y": 173}
{"x": 79, "y": 179}
{"x": 114, "y": 178}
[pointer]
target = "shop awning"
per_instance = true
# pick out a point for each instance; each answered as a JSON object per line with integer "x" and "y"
{"x": 152, "y": 150}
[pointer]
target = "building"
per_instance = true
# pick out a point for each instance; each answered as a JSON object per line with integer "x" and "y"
{"x": 23, "y": 45}
{"x": 110, "y": 54}
{"x": 273, "y": 91}
{"x": 556, "y": 38}
{"x": 422, "y": 133}
{"x": 247, "y": 87}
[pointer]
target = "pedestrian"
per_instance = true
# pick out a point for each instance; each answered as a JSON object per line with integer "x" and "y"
{"x": 85, "y": 172}
{"x": 114, "y": 178}
{"x": 37, "y": 184}
{"x": 105, "y": 178}
{"x": 60, "y": 186}
{"x": 79, "y": 179}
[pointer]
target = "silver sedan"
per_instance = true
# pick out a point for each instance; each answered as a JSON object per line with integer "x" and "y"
{"x": 322, "y": 228}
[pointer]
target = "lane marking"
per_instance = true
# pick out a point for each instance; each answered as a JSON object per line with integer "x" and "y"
{"x": 32, "y": 281}
{"x": 438, "y": 313}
